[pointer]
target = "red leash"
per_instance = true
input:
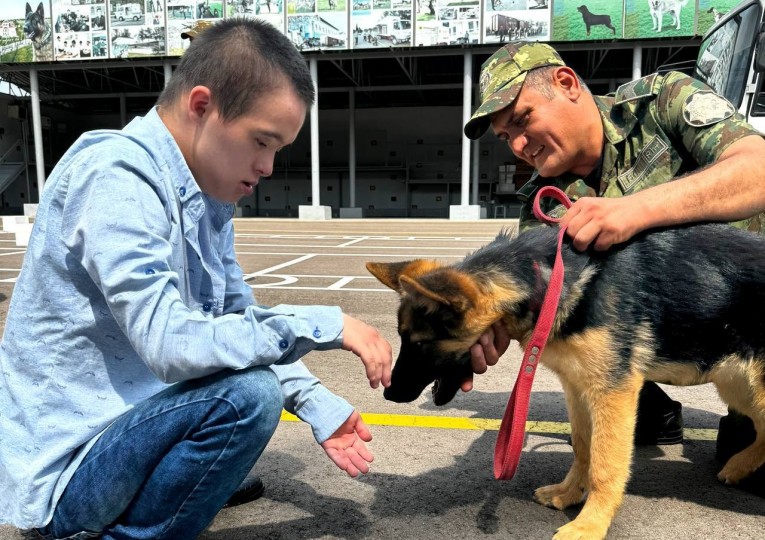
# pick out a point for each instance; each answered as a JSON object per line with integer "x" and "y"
{"x": 507, "y": 451}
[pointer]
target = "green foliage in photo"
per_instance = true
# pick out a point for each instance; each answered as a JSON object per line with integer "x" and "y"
{"x": 709, "y": 9}
{"x": 24, "y": 54}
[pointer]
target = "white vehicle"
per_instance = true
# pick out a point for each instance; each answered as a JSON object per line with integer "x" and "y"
{"x": 460, "y": 31}
{"x": 126, "y": 12}
{"x": 395, "y": 30}
{"x": 732, "y": 59}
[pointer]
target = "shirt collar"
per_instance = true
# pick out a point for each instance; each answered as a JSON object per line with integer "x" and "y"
{"x": 220, "y": 212}
{"x": 617, "y": 121}
{"x": 167, "y": 153}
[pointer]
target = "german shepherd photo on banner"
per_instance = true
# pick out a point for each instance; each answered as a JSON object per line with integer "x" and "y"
{"x": 677, "y": 306}
{"x": 37, "y": 30}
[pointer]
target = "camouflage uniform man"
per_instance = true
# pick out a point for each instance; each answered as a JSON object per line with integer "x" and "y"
{"x": 195, "y": 29}
{"x": 620, "y": 159}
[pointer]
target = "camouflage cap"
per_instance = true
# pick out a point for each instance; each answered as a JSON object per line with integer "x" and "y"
{"x": 195, "y": 29}
{"x": 502, "y": 77}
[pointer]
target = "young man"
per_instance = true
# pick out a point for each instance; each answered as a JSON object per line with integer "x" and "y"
{"x": 140, "y": 382}
{"x": 663, "y": 151}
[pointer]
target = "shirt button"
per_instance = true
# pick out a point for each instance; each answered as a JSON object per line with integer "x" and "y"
{"x": 182, "y": 191}
{"x": 207, "y": 306}
{"x": 317, "y": 333}
{"x": 283, "y": 344}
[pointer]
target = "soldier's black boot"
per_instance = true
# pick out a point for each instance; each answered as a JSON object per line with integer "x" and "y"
{"x": 659, "y": 417}
{"x": 735, "y": 433}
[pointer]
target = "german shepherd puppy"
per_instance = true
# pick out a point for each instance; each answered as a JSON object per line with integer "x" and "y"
{"x": 37, "y": 30}
{"x": 678, "y": 306}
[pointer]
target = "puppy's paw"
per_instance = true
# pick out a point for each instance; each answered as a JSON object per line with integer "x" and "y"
{"x": 580, "y": 530}
{"x": 559, "y": 496}
{"x": 735, "y": 471}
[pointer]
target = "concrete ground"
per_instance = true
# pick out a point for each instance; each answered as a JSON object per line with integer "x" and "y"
{"x": 432, "y": 474}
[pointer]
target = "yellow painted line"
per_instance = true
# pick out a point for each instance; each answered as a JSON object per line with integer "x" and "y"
{"x": 486, "y": 424}
{"x": 698, "y": 434}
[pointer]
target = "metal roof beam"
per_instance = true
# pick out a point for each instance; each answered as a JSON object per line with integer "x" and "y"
{"x": 338, "y": 64}
{"x": 407, "y": 70}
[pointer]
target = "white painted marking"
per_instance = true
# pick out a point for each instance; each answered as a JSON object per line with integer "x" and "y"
{"x": 351, "y": 242}
{"x": 397, "y": 248}
{"x": 285, "y": 280}
{"x": 279, "y": 266}
{"x": 325, "y": 289}
{"x": 340, "y": 283}
{"x": 365, "y": 255}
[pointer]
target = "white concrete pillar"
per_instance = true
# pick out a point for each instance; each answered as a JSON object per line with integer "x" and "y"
{"x": 637, "y": 62}
{"x": 34, "y": 86}
{"x": 352, "y": 147}
{"x": 464, "y": 211}
{"x": 168, "y": 70}
{"x": 467, "y": 106}
{"x": 315, "y": 210}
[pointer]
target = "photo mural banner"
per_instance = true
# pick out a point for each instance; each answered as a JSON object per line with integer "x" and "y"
{"x": 384, "y": 23}
{"x": 577, "y": 20}
{"x": 448, "y": 22}
{"x": 66, "y": 30}
{"x": 507, "y": 20}
{"x": 656, "y": 19}
{"x": 182, "y": 15}
{"x": 79, "y": 29}
{"x": 711, "y": 11}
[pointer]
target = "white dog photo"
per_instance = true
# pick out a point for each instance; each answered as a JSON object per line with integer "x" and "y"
{"x": 659, "y": 8}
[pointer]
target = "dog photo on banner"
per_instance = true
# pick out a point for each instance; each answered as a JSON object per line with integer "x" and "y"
{"x": 711, "y": 11}
{"x": 575, "y": 20}
{"x": 659, "y": 18}
{"x": 25, "y": 31}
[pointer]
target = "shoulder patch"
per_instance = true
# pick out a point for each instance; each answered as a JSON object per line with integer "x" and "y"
{"x": 635, "y": 89}
{"x": 705, "y": 108}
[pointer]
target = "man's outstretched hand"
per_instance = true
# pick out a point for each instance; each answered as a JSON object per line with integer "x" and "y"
{"x": 346, "y": 448}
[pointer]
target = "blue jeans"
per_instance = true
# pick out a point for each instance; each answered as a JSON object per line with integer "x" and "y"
{"x": 164, "y": 469}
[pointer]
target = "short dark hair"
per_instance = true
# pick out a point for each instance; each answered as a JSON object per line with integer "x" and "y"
{"x": 239, "y": 60}
{"x": 540, "y": 80}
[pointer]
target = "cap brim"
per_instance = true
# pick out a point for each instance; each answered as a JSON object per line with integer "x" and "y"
{"x": 477, "y": 126}
{"x": 501, "y": 99}
{"x": 187, "y": 35}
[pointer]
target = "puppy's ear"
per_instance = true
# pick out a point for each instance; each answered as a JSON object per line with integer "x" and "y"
{"x": 389, "y": 274}
{"x": 445, "y": 286}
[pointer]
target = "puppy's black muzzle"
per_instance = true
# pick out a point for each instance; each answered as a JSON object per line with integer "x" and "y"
{"x": 415, "y": 370}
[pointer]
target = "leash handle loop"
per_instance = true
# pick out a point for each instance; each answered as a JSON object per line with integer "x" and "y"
{"x": 507, "y": 451}
{"x": 555, "y": 193}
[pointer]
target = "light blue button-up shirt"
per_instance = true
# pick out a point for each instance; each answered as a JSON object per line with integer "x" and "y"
{"x": 129, "y": 284}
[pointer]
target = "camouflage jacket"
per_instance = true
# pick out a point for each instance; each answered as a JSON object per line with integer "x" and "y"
{"x": 656, "y": 128}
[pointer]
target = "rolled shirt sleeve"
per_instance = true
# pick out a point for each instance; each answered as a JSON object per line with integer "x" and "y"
{"x": 309, "y": 400}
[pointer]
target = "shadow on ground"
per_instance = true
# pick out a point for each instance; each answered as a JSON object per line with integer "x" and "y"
{"x": 503, "y": 508}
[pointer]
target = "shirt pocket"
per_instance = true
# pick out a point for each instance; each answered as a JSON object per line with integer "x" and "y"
{"x": 656, "y": 162}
